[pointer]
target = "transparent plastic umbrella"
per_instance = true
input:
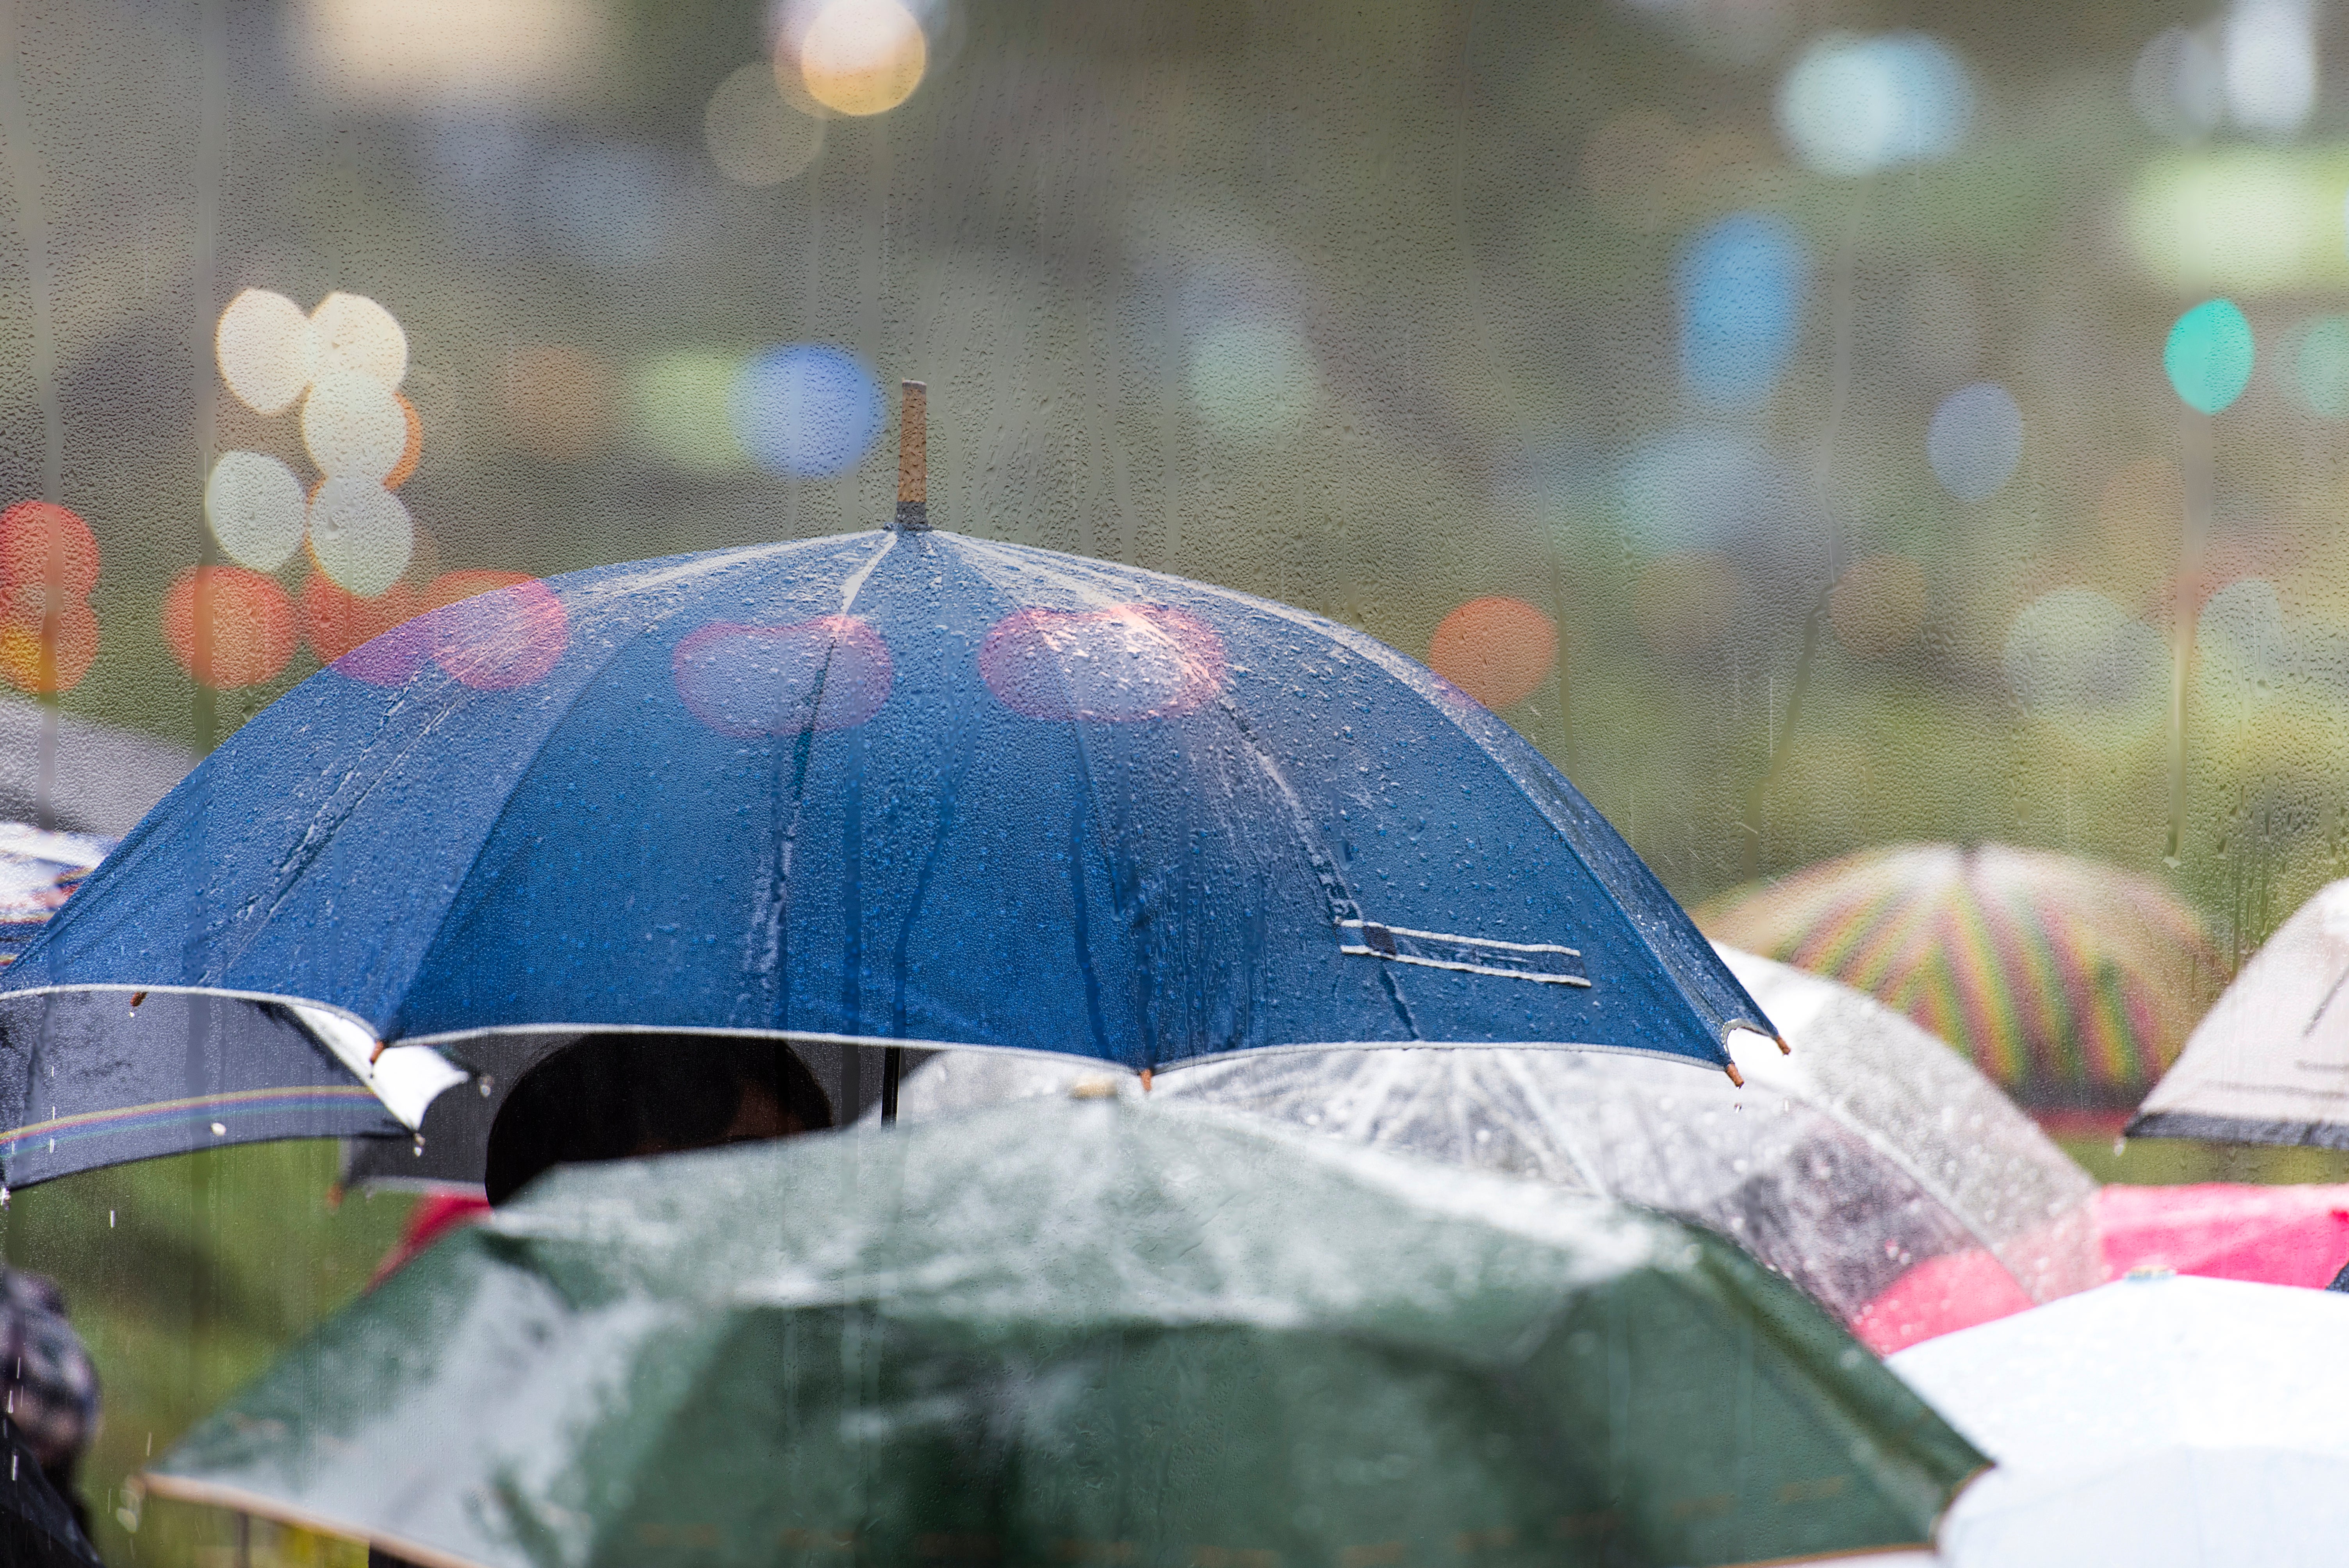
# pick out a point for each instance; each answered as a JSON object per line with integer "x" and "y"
{"x": 1873, "y": 1166}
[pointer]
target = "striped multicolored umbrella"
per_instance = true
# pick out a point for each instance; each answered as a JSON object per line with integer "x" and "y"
{"x": 2071, "y": 983}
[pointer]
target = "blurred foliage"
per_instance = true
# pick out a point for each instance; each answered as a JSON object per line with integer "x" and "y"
{"x": 185, "y": 1277}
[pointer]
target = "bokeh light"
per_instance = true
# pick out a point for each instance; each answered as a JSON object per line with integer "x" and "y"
{"x": 754, "y": 134}
{"x": 2321, "y": 366}
{"x": 266, "y": 351}
{"x": 831, "y": 673}
{"x": 255, "y": 509}
{"x": 353, "y": 334}
{"x": 2250, "y": 220}
{"x": 452, "y": 56}
{"x": 806, "y": 409}
{"x": 2077, "y": 652}
{"x": 354, "y": 427}
{"x": 2242, "y": 642}
{"x": 495, "y": 631}
{"x": 683, "y": 409}
{"x": 1877, "y": 607}
{"x": 2208, "y": 355}
{"x": 339, "y": 624}
{"x": 2269, "y": 64}
{"x": 1740, "y": 286}
{"x": 43, "y": 545}
{"x": 1126, "y": 663}
{"x": 557, "y": 400}
{"x": 360, "y": 535}
{"x": 1252, "y": 375}
{"x": 48, "y": 565}
{"x": 248, "y": 626}
{"x": 1852, "y": 105}
{"x": 862, "y": 57}
{"x": 42, "y": 653}
{"x": 1496, "y": 649}
{"x": 1975, "y": 441}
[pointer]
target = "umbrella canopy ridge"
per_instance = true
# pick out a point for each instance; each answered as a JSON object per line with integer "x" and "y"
{"x": 2270, "y": 1062}
{"x": 1873, "y": 1167}
{"x": 2070, "y": 982}
{"x": 940, "y": 1347}
{"x": 898, "y": 788}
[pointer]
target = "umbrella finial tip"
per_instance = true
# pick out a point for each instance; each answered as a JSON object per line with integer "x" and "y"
{"x": 1784, "y": 1049}
{"x": 913, "y": 460}
{"x": 1735, "y": 1075}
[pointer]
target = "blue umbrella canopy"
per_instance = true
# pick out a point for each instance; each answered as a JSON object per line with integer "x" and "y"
{"x": 895, "y": 789}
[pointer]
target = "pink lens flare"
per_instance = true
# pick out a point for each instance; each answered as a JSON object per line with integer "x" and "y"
{"x": 831, "y": 673}
{"x": 1126, "y": 663}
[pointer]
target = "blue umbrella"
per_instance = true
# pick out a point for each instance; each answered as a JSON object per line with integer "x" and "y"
{"x": 900, "y": 789}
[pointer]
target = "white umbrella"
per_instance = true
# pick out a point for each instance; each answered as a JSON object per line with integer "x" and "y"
{"x": 2270, "y": 1062}
{"x": 2154, "y": 1421}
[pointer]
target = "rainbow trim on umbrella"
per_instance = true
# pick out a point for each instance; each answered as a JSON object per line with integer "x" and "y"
{"x": 240, "y": 1103}
{"x": 2071, "y": 983}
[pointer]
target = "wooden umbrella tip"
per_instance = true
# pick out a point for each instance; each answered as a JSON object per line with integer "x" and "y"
{"x": 914, "y": 459}
{"x": 1735, "y": 1075}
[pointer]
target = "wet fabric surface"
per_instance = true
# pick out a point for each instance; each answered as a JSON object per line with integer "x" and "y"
{"x": 1148, "y": 1332}
{"x": 887, "y": 787}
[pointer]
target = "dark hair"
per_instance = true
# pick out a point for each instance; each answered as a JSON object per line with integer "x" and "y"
{"x": 610, "y": 1096}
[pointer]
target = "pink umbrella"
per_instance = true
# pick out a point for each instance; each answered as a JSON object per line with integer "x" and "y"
{"x": 2273, "y": 1235}
{"x": 2269, "y": 1235}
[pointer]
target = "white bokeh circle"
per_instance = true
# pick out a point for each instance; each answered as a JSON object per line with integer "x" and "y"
{"x": 256, "y": 509}
{"x": 360, "y": 535}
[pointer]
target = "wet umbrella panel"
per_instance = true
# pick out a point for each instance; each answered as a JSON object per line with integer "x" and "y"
{"x": 914, "y": 788}
{"x": 87, "y": 1079}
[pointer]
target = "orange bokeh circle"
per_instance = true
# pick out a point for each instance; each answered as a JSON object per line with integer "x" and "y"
{"x": 249, "y": 620}
{"x": 70, "y": 639}
{"x": 38, "y": 537}
{"x": 337, "y": 620}
{"x": 1496, "y": 649}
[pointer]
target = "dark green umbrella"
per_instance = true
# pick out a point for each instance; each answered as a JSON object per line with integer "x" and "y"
{"x": 1071, "y": 1331}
